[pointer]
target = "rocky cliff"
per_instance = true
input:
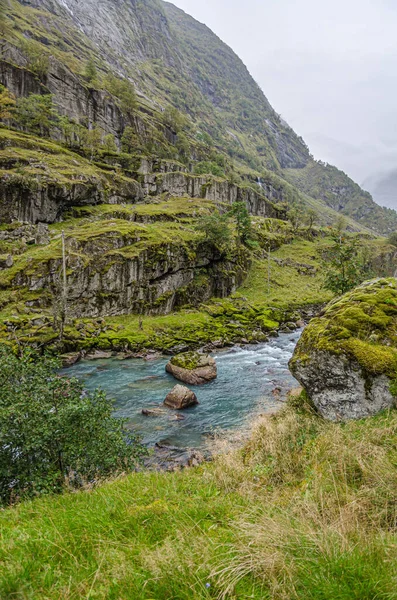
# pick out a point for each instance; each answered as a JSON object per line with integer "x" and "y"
{"x": 172, "y": 60}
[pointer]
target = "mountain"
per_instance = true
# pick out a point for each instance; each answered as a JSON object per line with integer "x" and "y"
{"x": 175, "y": 61}
{"x": 132, "y": 144}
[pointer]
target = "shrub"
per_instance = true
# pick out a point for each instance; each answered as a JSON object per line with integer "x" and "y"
{"x": 36, "y": 113}
{"x": 206, "y": 167}
{"x": 7, "y": 104}
{"x": 173, "y": 119}
{"x": 52, "y": 432}
{"x": 243, "y": 222}
{"x": 124, "y": 91}
{"x": 109, "y": 144}
{"x": 38, "y": 60}
{"x": 90, "y": 72}
{"x": 216, "y": 228}
{"x": 129, "y": 140}
{"x": 343, "y": 270}
{"x": 393, "y": 238}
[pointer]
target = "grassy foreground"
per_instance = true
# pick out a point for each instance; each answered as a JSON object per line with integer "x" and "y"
{"x": 307, "y": 510}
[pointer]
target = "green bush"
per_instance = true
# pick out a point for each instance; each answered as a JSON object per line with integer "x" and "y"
{"x": 53, "y": 433}
{"x": 36, "y": 114}
{"x": 216, "y": 228}
{"x": 206, "y": 167}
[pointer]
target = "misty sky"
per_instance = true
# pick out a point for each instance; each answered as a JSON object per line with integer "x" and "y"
{"x": 330, "y": 69}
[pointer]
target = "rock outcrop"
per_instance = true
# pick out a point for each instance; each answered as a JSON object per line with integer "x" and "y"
{"x": 346, "y": 358}
{"x": 158, "y": 279}
{"x": 180, "y": 397}
{"x": 192, "y": 368}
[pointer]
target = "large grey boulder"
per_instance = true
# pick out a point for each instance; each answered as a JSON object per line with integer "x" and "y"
{"x": 180, "y": 397}
{"x": 192, "y": 368}
{"x": 346, "y": 358}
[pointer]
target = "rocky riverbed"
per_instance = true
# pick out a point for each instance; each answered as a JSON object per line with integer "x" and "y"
{"x": 252, "y": 379}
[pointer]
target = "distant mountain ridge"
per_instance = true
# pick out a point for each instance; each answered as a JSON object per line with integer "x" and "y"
{"x": 175, "y": 60}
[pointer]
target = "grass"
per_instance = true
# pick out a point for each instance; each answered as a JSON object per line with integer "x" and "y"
{"x": 307, "y": 510}
{"x": 296, "y": 276}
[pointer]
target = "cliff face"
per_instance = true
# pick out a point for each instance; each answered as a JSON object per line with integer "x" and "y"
{"x": 172, "y": 60}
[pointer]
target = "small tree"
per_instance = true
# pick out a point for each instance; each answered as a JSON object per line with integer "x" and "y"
{"x": 109, "y": 144}
{"x": 393, "y": 238}
{"x": 124, "y": 91}
{"x": 174, "y": 119}
{"x": 216, "y": 229}
{"x": 36, "y": 113}
{"x": 90, "y": 72}
{"x": 311, "y": 217}
{"x": 340, "y": 225}
{"x": 296, "y": 217}
{"x": 52, "y": 432}
{"x": 129, "y": 140}
{"x": 343, "y": 270}
{"x": 243, "y": 222}
{"x": 37, "y": 58}
{"x": 7, "y": 104}
{"x": 93, "y": 140}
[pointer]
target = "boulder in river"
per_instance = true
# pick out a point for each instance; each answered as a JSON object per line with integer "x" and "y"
{"x": 192, "y": 368}
{"x": 180, "y": 397}
{"x": 346, "y": 358}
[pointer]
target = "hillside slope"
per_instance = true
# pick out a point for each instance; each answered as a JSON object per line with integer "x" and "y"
{"x": 173, "y": 61}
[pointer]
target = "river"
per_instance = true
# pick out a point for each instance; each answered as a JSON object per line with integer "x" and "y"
{"x": 251, "y": 380}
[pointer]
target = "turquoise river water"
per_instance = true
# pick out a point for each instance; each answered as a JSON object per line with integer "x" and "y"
{"x": 251, "y": 380}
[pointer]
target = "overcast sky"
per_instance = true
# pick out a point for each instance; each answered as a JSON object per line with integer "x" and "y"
{"x": 330, "y": 70}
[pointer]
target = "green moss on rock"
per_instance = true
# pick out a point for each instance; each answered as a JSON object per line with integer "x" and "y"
{"x": 362, "y": 325}
{"x": 187, "y": 360}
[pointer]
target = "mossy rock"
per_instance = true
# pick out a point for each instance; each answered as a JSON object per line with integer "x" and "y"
{"x": 346, "y": 358}
{"x": 192, "y": 368}
{"x": 188, "y": 360}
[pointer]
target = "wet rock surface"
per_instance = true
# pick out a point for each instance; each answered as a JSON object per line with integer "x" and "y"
{"x": 193, "y": 368}
{"x": 180, "y": 397}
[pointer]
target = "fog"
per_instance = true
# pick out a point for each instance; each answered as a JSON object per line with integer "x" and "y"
{"x": 330, "y": 70}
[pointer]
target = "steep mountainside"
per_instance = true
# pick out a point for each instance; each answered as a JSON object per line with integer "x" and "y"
{"x": 173, "y": 60}
{"x": 131, "y": 132}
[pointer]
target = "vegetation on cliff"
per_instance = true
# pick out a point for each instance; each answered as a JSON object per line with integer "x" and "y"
{"x": 166, "y": 96}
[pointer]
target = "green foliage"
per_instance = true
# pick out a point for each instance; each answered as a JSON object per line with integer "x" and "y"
{"x": 207, "y": 167}
{"x": 305, "y": 511}
{"x": 93, "y": 140}
{"x": 343, "y": 270}
{"x": 129, "y": 140}
{"x": 109, "y": 144}
{"x": 90, "y": 72}
{"x": 73, "y": 134}
{"x": 216, "y": 229}
{"x": 296, "y": 216}
{"x": 124, "y": 91}
{"x": 243, "y": 222}
{"x": 36, "y": 114}
{"x": 392, "y": 239}
{"x": 7, "y": 104}
{"x": 52, "y": 432}
{"x": 37, "y": 57}
{"x": 174, "y": 119}
{"x": 311, "y": 218}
